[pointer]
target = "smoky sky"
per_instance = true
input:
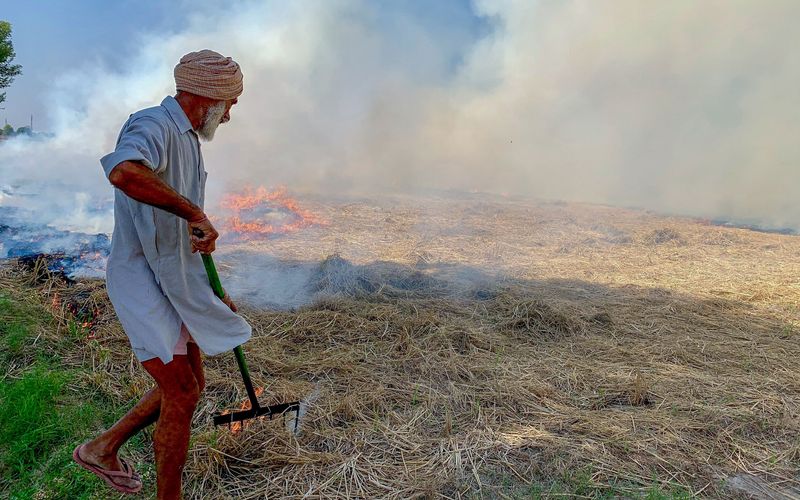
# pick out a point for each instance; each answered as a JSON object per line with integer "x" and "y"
{"x": 681, "y": 107}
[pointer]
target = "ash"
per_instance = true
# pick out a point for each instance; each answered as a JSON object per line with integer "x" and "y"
{"x": 72, "y": 253}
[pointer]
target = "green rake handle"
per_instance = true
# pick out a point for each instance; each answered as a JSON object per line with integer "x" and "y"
{"x": 213, "y": 278}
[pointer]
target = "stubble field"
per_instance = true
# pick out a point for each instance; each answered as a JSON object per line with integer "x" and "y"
{"x": 487, "y": 347}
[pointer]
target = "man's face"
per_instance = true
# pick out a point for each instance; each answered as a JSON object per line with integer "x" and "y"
{"x": 216, "y": 114}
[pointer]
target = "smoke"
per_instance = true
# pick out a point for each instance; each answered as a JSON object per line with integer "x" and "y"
{"x": 262, "y": 280}
{"x": 682, "y": 107}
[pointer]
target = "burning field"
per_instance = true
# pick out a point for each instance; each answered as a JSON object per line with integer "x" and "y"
{"x": 472, "y": 346}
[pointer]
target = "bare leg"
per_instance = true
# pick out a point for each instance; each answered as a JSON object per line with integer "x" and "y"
{"x": 103, "y": 450}
{"x": 196, "y": 361}
{"x": 180, "y": 393}
{"x": 140, "y": 416}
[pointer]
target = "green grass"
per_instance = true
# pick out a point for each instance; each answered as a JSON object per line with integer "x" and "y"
{"x": 41, "y": 420}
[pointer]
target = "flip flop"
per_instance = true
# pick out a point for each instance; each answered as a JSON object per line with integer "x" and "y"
{"x": 127, "y": 472}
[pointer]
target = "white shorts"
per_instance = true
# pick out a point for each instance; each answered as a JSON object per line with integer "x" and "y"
{"x": 180, "y": 348}
{"x": 183, "y": 342}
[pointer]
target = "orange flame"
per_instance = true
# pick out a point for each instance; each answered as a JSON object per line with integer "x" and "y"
{"x": 237, "y": 426}
{"x": 252, "y": 199}
{"x": 83, "y": 316}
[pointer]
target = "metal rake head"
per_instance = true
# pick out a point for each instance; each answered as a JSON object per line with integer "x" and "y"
{"x": 282, "y": 409}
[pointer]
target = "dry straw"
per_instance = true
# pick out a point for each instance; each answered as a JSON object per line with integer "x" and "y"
{"x": 641, "y": 350}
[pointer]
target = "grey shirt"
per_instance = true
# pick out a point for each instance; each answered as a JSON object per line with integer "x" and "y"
{"x": 154, "y": 280}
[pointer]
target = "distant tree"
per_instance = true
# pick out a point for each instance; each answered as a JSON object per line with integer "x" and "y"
{"x": 7, "y": 70}
{"x": 8, "y": 130}
{"x": 24, "y": 130}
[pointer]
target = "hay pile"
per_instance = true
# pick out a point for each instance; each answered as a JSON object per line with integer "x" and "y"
{"x": 638, "y": 349}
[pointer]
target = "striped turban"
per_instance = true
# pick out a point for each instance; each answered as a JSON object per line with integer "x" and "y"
{"x": 209, "y": 74}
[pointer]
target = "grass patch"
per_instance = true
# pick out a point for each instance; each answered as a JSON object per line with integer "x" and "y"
{"x": 41, "y": 419}
{"x": 15, "y": 328}
{"x": 31, "y": 399}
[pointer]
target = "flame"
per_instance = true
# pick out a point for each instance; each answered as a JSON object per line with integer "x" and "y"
{"x": 237, "y": 426}
{"x": 84, "y": 317}
{"x": 246, "y": 223}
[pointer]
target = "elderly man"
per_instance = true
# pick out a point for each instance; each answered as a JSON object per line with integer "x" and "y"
{"x": 155, "y": 279}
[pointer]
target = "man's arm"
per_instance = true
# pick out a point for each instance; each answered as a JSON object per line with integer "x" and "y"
{"x": 142, "y": 184}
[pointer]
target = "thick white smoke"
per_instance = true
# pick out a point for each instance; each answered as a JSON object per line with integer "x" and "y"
{"x": 682, "y": 106}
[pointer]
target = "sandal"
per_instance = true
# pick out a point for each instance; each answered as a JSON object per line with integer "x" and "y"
{"x": 108, "y": 476}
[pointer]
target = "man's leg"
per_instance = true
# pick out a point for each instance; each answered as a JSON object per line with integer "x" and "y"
{"x": 196, "y": 361}
{"x": 180, "y": 393}
{"x": 140, "y": 416}
{"x": 103, "y": 450}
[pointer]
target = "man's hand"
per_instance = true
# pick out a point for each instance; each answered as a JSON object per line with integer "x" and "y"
{"x": 228, "y": 302}
{"x": 203, "y": 236}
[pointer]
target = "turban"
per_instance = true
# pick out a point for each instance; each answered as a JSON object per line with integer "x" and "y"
{"x": 209, "y": 74}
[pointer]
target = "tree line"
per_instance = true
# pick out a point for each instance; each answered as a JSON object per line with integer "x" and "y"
{"x": 9, "y": 131}
{"x": 8, "y": 72}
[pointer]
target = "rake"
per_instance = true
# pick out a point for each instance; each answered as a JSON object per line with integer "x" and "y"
{"x": 256, "y": 410}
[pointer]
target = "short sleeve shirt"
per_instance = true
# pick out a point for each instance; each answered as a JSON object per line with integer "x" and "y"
{"x": 153, "y": 279}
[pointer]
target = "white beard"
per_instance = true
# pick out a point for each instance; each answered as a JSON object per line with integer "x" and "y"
{"x": 211, "y": 121}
